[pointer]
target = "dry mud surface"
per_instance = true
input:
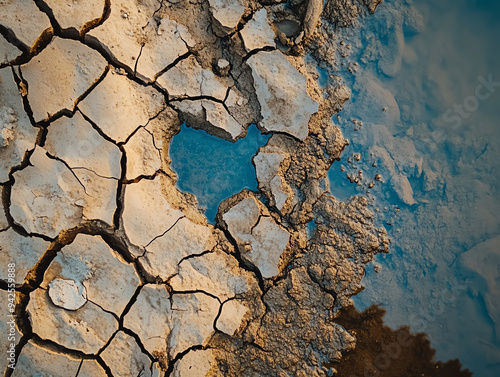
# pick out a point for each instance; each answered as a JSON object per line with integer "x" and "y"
{"x": 117, "y": 272}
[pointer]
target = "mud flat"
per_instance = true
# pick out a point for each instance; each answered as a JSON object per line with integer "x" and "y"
{"x": 117, "y": 272}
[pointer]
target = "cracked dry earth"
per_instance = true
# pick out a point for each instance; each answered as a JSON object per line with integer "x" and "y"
{"x": 117, "y": 272}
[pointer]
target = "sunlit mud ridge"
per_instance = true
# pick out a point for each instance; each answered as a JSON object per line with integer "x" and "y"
{"x": 117, "y": 272}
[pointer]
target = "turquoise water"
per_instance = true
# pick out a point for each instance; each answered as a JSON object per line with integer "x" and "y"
{"x": 435, "y": 139}
{"x": 214, "y": 169}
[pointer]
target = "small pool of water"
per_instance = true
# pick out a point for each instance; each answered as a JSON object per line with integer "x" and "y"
{"x": 214, "y": 169}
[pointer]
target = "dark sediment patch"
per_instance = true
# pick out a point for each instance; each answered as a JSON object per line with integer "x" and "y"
{"x": 383, "y": 352}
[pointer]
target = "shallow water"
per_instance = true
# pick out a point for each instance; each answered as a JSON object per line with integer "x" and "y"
{"x": 440, "y": 167}
{"x": 214, "y": 169}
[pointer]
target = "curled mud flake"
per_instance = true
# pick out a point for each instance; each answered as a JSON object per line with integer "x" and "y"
{"x": 185, "y": 238}
{"x": 205, "y": 109}
{"x": 260, "y": 239}
{"x": 270, "y": 242}
{"x": 45, "y": 195}
{"x": 215, "y": 273}
{"x": 143, "y": 159}
{"x": 122, "y": 34}
{"x": 217, "y": 115}
{"x": 257, "y": 33}
{"x": 196, "y": 363}
{"x": 79, "y": 145}
{"x": 285, "y": 105}
{"x": 17, "y": 135}
{"x": 168, "y": 325}
{"x": 67, "y": 294}
{"x": 59, "y": 75}
{"x": 118, "y": 106}
{"x": 189, "y": 79}
{"x": 240, "y": 219}
{"x": 8, "y": 52}
{"x": 227, "y": 13}
{"x": 86, "y": 329}
{"x": 125, "y": 358}
{"x": 89, "y": 260}
{"x": 37, "y": 361}
{"x": 281, "y": 192}
{"x": 146, "y": 213}
{"x": 25, "y": 251}
{"x": 268, "y": 166}
{"x": 231, "y": 317}
{"x": 76, "y": 13}
{"x": 24, "y": 19}
{"x": 166, "y": 42}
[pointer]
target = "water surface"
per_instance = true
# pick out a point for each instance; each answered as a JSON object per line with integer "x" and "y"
{"x": 435, "y": 139}
{"x": 214, "y": 169}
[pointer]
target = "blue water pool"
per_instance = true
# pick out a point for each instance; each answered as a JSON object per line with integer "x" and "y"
{"x": 214, "y": 169}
